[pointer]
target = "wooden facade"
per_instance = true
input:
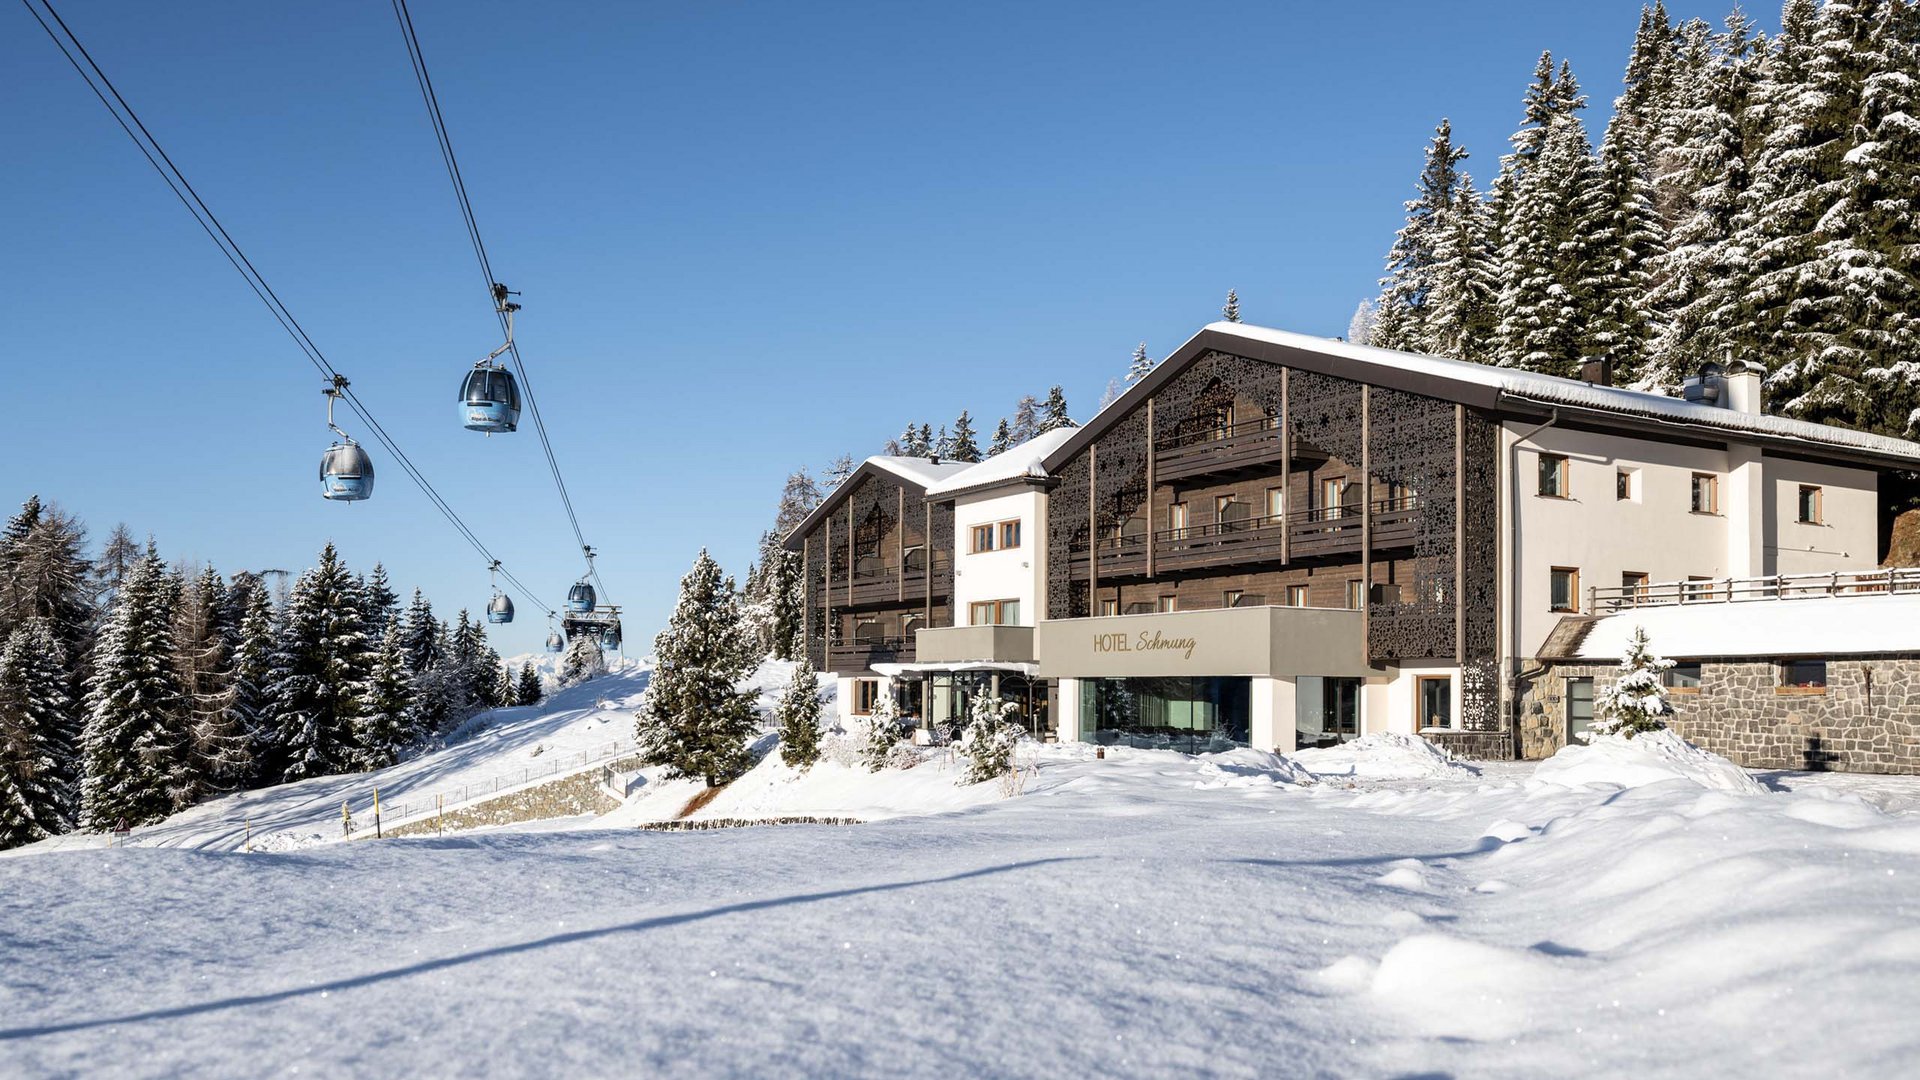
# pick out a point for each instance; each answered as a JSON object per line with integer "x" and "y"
{"x": 877, "y": 564}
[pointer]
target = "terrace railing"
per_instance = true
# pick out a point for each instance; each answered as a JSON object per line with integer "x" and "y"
{"x": 1732, "y": 590}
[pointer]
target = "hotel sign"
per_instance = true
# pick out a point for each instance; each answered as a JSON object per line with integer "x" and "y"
{"x": 1144, "y": 641}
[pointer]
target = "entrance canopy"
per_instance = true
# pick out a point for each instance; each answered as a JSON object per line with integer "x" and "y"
{"x": 894, "y": 671}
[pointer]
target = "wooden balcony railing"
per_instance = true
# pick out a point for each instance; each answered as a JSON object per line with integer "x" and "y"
{"x": 1732, "y": 590}
{"x": 860, "y": 655}
{"x": 875, "y": 582}
{"x": 1312, "y": 534}
{"x": 1226, "y": 449}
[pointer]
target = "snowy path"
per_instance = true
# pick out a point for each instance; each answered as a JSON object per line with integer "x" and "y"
{"x": 1119, "y": 919}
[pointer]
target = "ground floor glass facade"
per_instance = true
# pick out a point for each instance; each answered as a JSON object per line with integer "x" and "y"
{"x": 1194, "y": 715}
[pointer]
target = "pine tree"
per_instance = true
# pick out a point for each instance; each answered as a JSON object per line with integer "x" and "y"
{"x": 506, "y": 689}
{"x": 116, "y": 561}
{"x": 529, "y": 692}
{"x": 1637, "y": 700}
{"x": 386, "y": 728}
{"x": 911, "y": 443}
{"x": 379, "y": 604}
{"x": 838, "y": 470}
{"x": 1547, "y": 233}
{"x": 15, "y": 534}
{"x": 1463, "y": 292}
{"x": 220, "y": 752}
{"x": 132, "y": 746}
{"x": 786, "y": 604}
{"x": 320, "y": 670}
{"x": 420, "y": 635}
{"x": 963, "y": 448}
{"x": 1026, "y": 419}
{"x": 943, "y": 444}
{"x": 1886, "y": 214}
{"x": 1002, "y": 439}
{"x": 1140, "y": 366}
{"x": 1625, "y": 240}
{"x": 253, "y": 708}
{"x": 799, "y": 715}
{"x": 925, "y": 443}
{"x": 1230, "y": 311}
{"x": 1400, "y": 319}
{"x": 37, "y": 725}
{"x": 694, "y": 719}
{"x": 798, "y": 498}
{"x": 1054, "y": 413}
{"x": 582, "y": 661}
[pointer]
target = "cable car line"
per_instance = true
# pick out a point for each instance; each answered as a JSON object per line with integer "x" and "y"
{"x": 404, "y": 17}
{"x": 338, "y": 388}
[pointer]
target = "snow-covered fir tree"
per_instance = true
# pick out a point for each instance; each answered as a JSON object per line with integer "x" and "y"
{"x": 1140, "y": 366}
{"x": 1026, "y": 419}
{"x": 44, "y": 575}
{"x": 1360, "y": 324}
{"x": 1053, "y": 414}
{"x": 1002, "y": 438}
{"x": 916, "y": 442}
{"x": 220, "y": 751}
{"x": 379, "y": 602}
{"x": 116, "y": 561}
{"x": 963, "y": 446}
{"x": 798, "y": 497}
{"x": 37, "y": 730}
{"x": 786, "y": 600}
{"x": 838, "y": 470}
{"x": 943, "y": 444}
{"x": 1636, "y": 701}
{"x": 695, "y": 720}
{"x": 506, "y": 687}
{"x": 1624, "y": 240}
{"x": 989, "y": 741}
{"x": 1463, "y": 292}
{"x": 881, "y": 732}
{"x": 253, "y": 706}
{"x": 529, "y": 690}
{"x": 320, "y": 670}
{"x": 1230, "y": 310}
{"x": 1401, "y": 314}
{"x": 385, "y": 729}
{"x": 420, "y": 634}
{"x": 133, "y": 745}
{"x": 582, "y": 660}
{"x": 798, "y": 714}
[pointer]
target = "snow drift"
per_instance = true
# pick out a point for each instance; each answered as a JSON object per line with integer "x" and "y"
{"x": 1649, "y": 758}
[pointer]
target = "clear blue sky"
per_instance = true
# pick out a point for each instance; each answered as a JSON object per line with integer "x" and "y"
{"x": 750, "y": 237}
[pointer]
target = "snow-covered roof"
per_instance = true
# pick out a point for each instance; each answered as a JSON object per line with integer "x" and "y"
{"x": 1826, "y": 626}
{"x": 920, "y": 470}
{"x": 1025, "y": 461}
{"x": 1553, "y": 390}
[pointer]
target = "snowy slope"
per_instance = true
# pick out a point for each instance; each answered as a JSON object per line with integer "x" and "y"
{"x": 1126, "y": 917}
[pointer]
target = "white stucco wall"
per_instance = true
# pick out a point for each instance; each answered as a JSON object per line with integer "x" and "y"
{"x": 1016, "y": 574}
{"x": 1271, "y": 724}
{"x": 1849, "y": 536}
{"x": 1398, "y": 701}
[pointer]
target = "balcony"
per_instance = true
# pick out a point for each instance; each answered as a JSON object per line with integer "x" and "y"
{"x": 878, "y": 582}
{"x": 846, "y": 657}
{"x": 1226, "y": 450}
{"x": 1329, "y": 532}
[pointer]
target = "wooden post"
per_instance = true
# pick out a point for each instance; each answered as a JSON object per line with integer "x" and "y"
{"x": 1366, "y": 517}
{"x": 1286, "y": 471}
{"x": 376, "y": 813}
{"x": 1093, "y": 529}
{"x": 806, "y": 593}
{"x": 440, "y": 814}
{"x": 1153, "y": 453}
{"x": 900, "y": 545}
{"x": 928, "y": 617}
{"x": 826, "y": 597}
{"x": 249, "y": 824}
{"x": 851, "y": 565}
{"x": 1459, "y": 533}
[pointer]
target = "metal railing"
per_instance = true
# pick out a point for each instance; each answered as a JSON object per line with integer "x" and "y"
{"x": 1730, "y": 590}
{"x": 1320, "y": 515}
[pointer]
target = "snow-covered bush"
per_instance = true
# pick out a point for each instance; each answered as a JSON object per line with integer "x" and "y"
{"x": 1637, "y": 700}
{"x": 990, "y": 739}
{"x": 881, "y": 733}
{"x": 799, "y": 716}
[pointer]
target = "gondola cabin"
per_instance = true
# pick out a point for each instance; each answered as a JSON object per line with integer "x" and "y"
{"x": 500, "y": 609}
{"x": 346, "y": 473}
{"x": 580, "y": 598}
{"x": 490, "y": 399}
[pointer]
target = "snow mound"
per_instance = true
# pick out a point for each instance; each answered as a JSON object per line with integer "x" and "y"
{"x": 1649, "y": 758}
{"x": 1492, "y": 991}
{"x": 1248, "y": 768}
{"x": 1381, "y": 756}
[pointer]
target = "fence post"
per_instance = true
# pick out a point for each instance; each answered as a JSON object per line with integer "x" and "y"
{"x": 376, "y": 814}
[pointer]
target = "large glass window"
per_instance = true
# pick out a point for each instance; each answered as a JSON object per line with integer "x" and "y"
{"x": 1193, "y": 715}
{"x": 1435, "y": 694}
{"x": 1325, "y": 711}
{"x": 1803, "y": 674}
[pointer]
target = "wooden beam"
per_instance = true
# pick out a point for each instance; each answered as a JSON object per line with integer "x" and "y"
{"x": 928, "y": 616}
{"x": 806, "y": 594}
{"x": 1153, "y": 452}
{"x": 852, "y": 564}
{"x": 900, "y": 545}
{"x": 826, "y": 595}
{"x": 1093, "y": 529}
{"x": 1286, "y": 472}
{"x": 1366, "y": 518}
{"x": 1460, "y": 533}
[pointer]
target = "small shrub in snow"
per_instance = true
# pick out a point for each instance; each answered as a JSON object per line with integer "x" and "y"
{"x": 990, "y": 739}
{"x": 904, "y": 755}
{"x": 1637, "y": 700}
{"x": 799, "y": 715}
{"x": 882, "y": 733}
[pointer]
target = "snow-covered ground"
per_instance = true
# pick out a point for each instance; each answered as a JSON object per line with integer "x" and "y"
{"x": 1145, "y": 914}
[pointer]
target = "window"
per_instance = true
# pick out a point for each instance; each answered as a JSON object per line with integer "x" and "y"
{"x": 1696, "y": 588}
{"x": 1683, "y": 678}
{"x": 1231, "y": 598}
{"x": 1228, "y": 513}
{"x": 995, "y": 536}
{"x": 1276, "y": 502}
{"x": 983, "y": 537}
{"x": 1634, "y": 582}
{"x": 1623, "y": 485}
{"x": 1434, "y": 694}
{"x": 1579, "y": 700}
{"x": 994, "y": 613}
{"x": 865, "y": 693}
{"x": 1810, "y": 504}
{"x": 1563, "y": 592}
{"x": 1296, "y": 596}
{"x": 1177, "y": 520}
{"x": 1553, "y": 476}
{"x": 1332, "y": 491}
{"x": 1109, "y": 607}
{"x": 1009, "y": 534}
{"x": 1169, "y": 603}
{"x": 1706, "y": 493}
{"x": 1354, "y": 594}
{"x": 1803, "y": 676}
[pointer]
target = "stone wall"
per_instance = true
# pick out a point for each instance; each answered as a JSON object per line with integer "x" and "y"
{"x": 1868, "y": 720}
{"x": 1474, "y": 745}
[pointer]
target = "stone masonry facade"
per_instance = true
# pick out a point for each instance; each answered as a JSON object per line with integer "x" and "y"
{"x": 1867, "y": 720}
